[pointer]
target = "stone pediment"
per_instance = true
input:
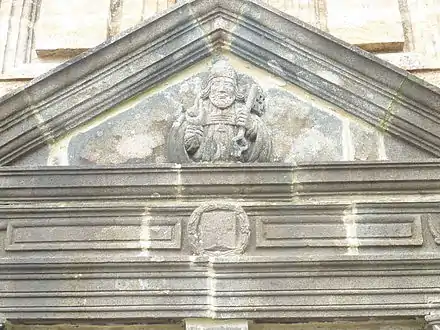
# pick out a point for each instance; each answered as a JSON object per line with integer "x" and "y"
{"x": 328, "y": 101}
{"x": 118, "y": 239}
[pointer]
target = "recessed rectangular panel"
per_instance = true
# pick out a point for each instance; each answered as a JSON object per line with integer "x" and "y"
{"x": 338, "y": 230}
{"x": 102, "y": 234}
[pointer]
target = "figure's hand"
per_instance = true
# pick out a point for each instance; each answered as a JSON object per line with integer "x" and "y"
{"x": 240, "y": 144}
{"x": 192, "y": 130}
{"x": 193, "y": 136}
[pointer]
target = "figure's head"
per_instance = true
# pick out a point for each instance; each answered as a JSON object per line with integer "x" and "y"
{"x": 221, "y": 85}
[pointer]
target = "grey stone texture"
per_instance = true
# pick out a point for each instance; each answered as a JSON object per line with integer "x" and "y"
{"x": 410, "y": 324}
{"x": 324, "y": 231}
{"x": 299, "y": 131}
{"x": 396, "y": 150}
{"x": 169, "y": 326}
{"x": 37, "y": 157}
{"x": 365, "y": 142}
{"x": 210, "y": 240}
{"x": 207, "y": 324}
{"x": 142, "y": 58}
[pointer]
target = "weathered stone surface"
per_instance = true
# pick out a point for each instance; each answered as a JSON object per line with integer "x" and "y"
{"x": 431, "y": 76}
{"x": 359, "y": 325}
{"x": 59, "y": 32}
{"x": 219, "y": 229}
{"x": 365, "y": 141}
{"x": 423, "y": 19}
{"x": 349, "y": 79}
{"x": 207, "y": 324}
{"x": 8, "y": 86}
{"x": 297, "y": 131}
{"x": 225, "y": 124}
{"x": 138, "y": 135}
{"x": 222, "y": 241}
{"x": 411, "y": 61}
{"x": 305, "y": 10}
{"x": 411, "y": 324}
{"x": 17, "y": 19}
{"x": 302, "y": 132}
{"x": 36, "y": 158}
{"x": 95, "y": 327}
{"x": 373, "y": 25}
{"x": 396, "y": 149}
{"x": 434, "y": 320}
{"x": 319, "y": 235}
{"x": 134, "y": 11}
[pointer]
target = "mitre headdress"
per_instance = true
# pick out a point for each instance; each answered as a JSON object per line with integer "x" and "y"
{"x": 222, "y": 69}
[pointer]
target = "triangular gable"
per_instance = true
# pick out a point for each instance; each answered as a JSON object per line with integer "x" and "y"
{"x": 359, "y": 83}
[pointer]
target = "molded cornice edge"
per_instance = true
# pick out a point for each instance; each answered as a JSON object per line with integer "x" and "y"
{"x": 434, "y": 320}
{"x": 376, "y": 181}
{"x": 79, "y": 90}
{"x": 233, "y": 288}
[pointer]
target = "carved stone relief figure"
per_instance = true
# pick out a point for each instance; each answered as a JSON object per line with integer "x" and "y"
{"x": 224, "y": 124}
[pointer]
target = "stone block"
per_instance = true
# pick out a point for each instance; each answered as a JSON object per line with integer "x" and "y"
{"x": 397, "y": 149}
{"x": 411, "y": 60}
{"x": 134, "y": 11}
{"x": 424, "y": 19}
{"x": 432, "y": 76}
{"x": 93, "y": 327}
{"x": 374, "y": 25}
{"x": 37, "y": 157}
{"x": 9, "y": 85}
{"x": 365, "y": 142}
{"x": 305, "y": 10}
{"x": 67, "y": 28}
{"x": 411, "y": 324}
{"x": 304, "y": 132}
{"x": 209, "y": 324}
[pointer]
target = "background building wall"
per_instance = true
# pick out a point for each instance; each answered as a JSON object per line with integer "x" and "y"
{"x": 37, "y": 35}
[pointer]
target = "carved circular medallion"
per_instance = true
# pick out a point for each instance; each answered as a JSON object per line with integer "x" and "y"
{"x": 218, "y": 229}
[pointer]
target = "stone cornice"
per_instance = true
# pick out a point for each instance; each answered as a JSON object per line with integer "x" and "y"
{"x": 271, "y": 182}
{"x": 241, "y": 288}
{"x": 433, "y": 320}
{"x": 113, "y": 242}
{"x": 81, "y": 89}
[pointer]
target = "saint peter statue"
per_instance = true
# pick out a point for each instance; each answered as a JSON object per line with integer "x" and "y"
{"x": 223, "y": 125}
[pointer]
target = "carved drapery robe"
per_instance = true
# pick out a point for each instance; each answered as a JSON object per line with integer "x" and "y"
{"x": 223, "y": 125}
{"x": 210, "y": 134}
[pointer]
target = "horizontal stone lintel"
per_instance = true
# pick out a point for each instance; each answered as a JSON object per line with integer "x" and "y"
{"x": 249, "y": 181}
{"x": 160, "y": 227}
{"x": 216, "y": 290}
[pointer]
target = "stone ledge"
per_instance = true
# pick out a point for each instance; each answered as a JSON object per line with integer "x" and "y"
{"x": 256, "y": 181}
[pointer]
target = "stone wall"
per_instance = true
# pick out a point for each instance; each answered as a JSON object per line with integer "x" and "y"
{"x": 37, "y": 35}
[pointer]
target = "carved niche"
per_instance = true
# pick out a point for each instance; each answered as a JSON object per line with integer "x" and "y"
{"x": 218, "y": 228}
{"x": 225, "y": 124}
